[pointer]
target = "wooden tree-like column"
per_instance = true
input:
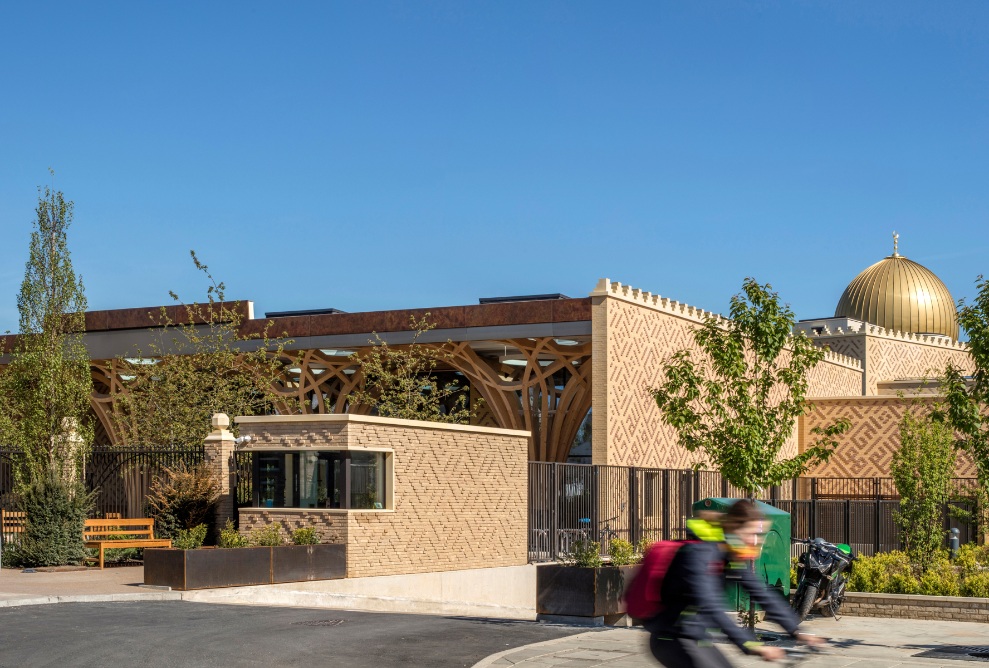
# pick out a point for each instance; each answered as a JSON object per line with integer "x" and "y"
{"x": 106, "y": 385}
{"x": 549, "y": 397}
{"x": 322, "y": 378}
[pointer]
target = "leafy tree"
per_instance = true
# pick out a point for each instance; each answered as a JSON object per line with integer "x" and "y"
{"x": 966, "y": 400}
{"x": 739, "y": 402}
{"x": 45, "y": 389}
{"x": 922, "y": 468}
{"x": 193, "y": 368}
{"x": 402, "y": 382}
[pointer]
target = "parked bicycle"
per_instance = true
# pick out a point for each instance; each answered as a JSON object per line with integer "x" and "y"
{"x": 822, "y": 574}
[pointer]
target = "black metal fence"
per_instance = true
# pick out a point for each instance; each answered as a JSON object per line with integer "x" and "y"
{"x": 122, "y": 475}
{"x": 568, "y": 502}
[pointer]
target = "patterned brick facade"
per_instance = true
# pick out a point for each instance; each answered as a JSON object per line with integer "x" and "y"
{"x": 459, "y": 498}
{"x": 634, "y": 333}
{"x": 866, "y": 450}
{"x": 887, "y": 356}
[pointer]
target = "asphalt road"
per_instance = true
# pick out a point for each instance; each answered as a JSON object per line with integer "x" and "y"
{"x": 177, "y": 634}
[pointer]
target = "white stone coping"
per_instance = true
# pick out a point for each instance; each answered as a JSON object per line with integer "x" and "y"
{"x": 373, "y": 419}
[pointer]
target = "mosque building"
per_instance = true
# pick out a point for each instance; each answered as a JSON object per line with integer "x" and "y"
{"x": 575, "y": 372}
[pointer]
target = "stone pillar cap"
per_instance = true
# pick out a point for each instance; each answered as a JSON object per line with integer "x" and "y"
{"x": 220, "y": 421}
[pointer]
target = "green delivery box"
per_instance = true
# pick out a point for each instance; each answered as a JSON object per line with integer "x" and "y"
{"x": 773, "y": 564}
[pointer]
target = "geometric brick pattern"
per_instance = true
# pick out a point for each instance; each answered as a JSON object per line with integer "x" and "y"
{"x": 892, "y": 358}
{"x": 633, "y": 334}
{"x": 459, "y": 493}
{"x": 888, "y": 356}
{"x": 867, "y": 448}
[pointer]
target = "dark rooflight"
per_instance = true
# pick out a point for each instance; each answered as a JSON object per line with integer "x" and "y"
{"x": 286, "y": 314}
{"x": 520, "y": 298}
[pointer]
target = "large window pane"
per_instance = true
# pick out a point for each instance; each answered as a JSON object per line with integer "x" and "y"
{"x": 367, "y": 480}
{"x": 312, "y": 479}
{"x": 272, "y": 488}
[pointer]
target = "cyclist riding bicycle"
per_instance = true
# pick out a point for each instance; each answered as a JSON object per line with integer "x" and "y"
{"x": 721, "y": 547}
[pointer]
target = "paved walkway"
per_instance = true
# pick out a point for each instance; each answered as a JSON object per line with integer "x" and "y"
{"x": 90, "y": 585}
{"x": 858, "y": 642}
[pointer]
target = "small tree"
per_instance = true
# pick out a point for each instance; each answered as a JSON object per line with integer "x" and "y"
{"x": 922, "y": 468}
{"x": 402, "y": 382}
{"x": 195, "y": 368}
{"x": 183, "y": 498}
{"x": 966, "y": 400}
{"x": 739, "y": 403}
{"x": 46, "y": 388}
{"x": 56, "y": 512}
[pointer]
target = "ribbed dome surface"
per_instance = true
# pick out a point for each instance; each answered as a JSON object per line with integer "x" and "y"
{"x": 900, "y": 295}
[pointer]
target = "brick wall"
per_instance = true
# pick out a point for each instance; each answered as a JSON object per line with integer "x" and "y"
{"x": 866, "y": 449}
{"x": 904, "y": 606}
{"x": 459, "y": 492}
{"x": 634, "y": 333}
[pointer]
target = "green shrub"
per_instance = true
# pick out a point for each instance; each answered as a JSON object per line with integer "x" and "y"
{"x": 183, "y": 498}
{"x": 585, "y": 553}
{"x": 884, "y": 573}
{"x": 190, "y": 539}
{"x": 622, "y": 552}
{"x": 645, "y": 543}
{"x": 230, "y": 537}
{"x": 976, "y": 584}
{"x": 305, "y": 536}
{"x": 268, "y": 536}
{"x": 972, "y": 559}
{"x": 941, "y": 579}
{"x": 56, "y": 512}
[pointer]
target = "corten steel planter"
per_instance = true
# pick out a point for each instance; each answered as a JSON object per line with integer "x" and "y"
{"x": 242, "y": 566}
{"x": 574, "y": 591}
{"x": 299, "y": 563}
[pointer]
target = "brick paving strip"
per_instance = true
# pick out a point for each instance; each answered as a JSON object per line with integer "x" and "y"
{"x": 857, "y": 643}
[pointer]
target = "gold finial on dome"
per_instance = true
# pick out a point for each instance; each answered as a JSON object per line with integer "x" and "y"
{"x": 901, "y": 296}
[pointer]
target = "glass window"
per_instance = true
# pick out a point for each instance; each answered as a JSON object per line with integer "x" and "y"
{"x": 314, "y": 479}
{"x": 367, "y": 479}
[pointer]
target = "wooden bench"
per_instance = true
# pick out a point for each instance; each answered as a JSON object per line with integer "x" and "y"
{"x": 11, "y": 524}
{"x": 113, "y": 534}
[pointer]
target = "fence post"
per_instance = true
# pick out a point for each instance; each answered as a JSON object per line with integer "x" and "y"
{"x": 879, "y": 510}
{"x": 554, "y": 537}
{"x": 848, "y": 521}
{"x": 813, "y": 507}
{"x": 595, "y": 505}
{"x": 634, "y": 526}
{"x": 665, "y": 508}
{"x": 218, "y": 455}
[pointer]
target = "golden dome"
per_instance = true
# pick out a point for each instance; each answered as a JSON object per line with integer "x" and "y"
{"x": 902, "y": 296}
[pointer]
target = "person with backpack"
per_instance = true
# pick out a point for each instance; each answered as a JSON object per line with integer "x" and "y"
{"x": 680, "y": 591}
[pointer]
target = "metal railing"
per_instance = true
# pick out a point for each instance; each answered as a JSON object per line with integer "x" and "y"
{"x": 122, "y": 475}
{"x": 573, "y": 502}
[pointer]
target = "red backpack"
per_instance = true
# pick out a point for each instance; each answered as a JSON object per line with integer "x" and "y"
{"x": 643, "y": 596}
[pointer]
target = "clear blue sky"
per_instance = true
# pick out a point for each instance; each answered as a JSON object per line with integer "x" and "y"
{"x": 381, "y": 155}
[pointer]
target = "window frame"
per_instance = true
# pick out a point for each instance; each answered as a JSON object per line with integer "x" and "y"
{"x": 388, "y": 479}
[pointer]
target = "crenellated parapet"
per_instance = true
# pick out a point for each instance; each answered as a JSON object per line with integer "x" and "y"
{"x": 608, "y": 288}
{"x": 882, "y": 333}
{"x": 832, "y": 357}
